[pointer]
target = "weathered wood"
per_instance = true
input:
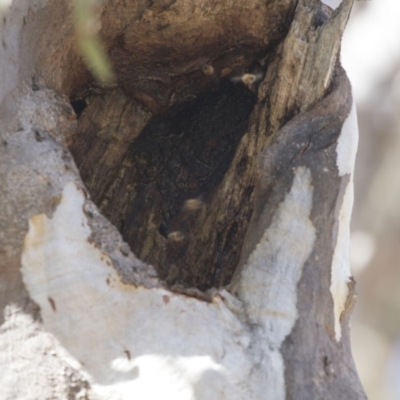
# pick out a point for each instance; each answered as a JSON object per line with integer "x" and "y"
{"x": 235, "y": 197}
{"x": 174, "y": 162}
{"x": 182, "y": 155}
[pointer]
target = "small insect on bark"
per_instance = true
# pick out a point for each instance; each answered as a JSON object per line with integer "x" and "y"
{"x": 248, "y": 79}
{"x": 208, "y": 69}
{"x": 176, "y": 236}
{"x": 193, "y": 204}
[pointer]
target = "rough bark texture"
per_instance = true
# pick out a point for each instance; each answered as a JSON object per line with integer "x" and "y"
{"x": 182, "y": 185}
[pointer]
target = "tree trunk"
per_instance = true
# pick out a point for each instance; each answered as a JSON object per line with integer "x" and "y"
{"x": 182, "y": 230}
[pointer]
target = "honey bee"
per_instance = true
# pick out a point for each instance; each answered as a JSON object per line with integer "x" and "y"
{"x": 193, "y": 204}
{"x": 248, "y": 79}
{"x": 208, "y": 69}
{"x": 176, "y": 236}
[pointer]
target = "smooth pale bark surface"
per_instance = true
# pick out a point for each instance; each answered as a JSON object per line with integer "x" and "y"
{"x": 235, "y": 199}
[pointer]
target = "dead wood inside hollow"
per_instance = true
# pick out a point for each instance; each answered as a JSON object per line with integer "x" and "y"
{"x": 161, "y": 154}
{"x": 159, "y": 188}
{"x": 177, "y": 178}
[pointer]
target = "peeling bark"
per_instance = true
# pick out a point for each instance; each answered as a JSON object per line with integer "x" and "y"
{"x": 182, "y": 232}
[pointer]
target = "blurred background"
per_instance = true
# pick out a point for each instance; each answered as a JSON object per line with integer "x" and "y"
{"x": 371, "y": 56}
